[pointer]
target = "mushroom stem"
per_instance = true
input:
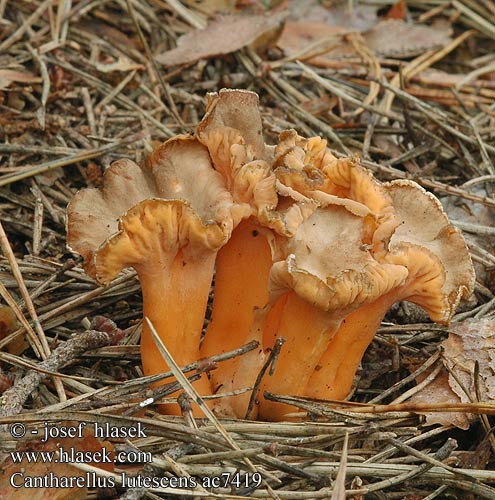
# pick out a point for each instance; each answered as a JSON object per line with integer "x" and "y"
{"x": 307, "y": 331}
{"x": 334, "y": 374}
{"x": 241, "y": 284}
{"x": 174, "y": 300}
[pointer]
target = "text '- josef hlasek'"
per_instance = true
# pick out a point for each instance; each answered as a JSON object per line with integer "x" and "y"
{"x": 59, "y": 454}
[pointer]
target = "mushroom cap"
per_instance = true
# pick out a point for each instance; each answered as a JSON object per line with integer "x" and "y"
{"x": 298, "y": 161}
{"x": 93, "y": 214}
{"x": 151, "y": 235}
{"x": 231, "y": 114}
{"x": 232, "y": 132}
{"x": 182, "y": 170}
{"x": 328, "y": 263}
{"x": 307, "y": 166}
{"x": 179, "y": 170}
{"x": 432, "y": 248}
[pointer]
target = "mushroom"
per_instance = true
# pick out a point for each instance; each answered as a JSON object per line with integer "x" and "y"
{"x": 167, "y": 221}
{"x": 324, "y": 272}
{"x": 440, "y": 274}
{"x": 308, "y": 167}
{"x": 232, "y": 132}
{"x": 306, "y": 246}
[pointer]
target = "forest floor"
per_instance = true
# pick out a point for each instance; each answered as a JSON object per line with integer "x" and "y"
{"x": 409, "y": 88}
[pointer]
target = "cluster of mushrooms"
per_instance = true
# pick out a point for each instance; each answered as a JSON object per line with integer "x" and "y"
{"x": 303, "y": 245}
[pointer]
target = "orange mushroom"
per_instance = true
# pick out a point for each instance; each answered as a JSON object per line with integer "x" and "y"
{"x": 305, "y": 245}
{"x": 440, "y": 273}
{"x": 310, "y": 295}
{"x": 232, "y": 132}
{"x": 167, "y": 221}
{"x": 307, "y": 166}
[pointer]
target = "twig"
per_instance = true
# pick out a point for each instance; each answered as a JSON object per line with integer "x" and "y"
{"x": 18, "y": 34}
{"x": 69, "y": 160}
{"x": 198, "y": 400}
{"x": 269, "y": 363}
{"x": 14, "y": 398}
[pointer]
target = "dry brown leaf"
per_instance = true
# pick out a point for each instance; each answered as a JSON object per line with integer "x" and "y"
{"x": 214, "y": 6}
{"x": 439, "y": 391}
{"x": 469, "y": 342}
{"x": 7, "y": 76}
{"x": 390, "y": 38}
{"x": 61, "y": 470}
{"x": 396, "y": 38}
{"x": 465, "y": 211}
{"x": 340, "y": 14}
{"x": 312, "y": 26}
{"x": 299, "y": 37}
{"x": 222, "y": 36}
{"x": 8, "y": 323}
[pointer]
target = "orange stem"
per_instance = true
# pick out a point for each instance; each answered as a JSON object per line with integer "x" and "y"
{"x": 307, "y": 331}
{"x": 174, "y": 299}
{"x": 334, "y": 374}
{"x": 241, "y": 285}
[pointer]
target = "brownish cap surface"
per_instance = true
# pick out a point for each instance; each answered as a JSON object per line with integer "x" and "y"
{"x": 179, "y": 171}
{"x": 328, "y": 263}
{"x": 308, "y": 167}
{"x": 232, "y": 132}
{"x": 237, "y": 110}
{"x": 433, "y": 250}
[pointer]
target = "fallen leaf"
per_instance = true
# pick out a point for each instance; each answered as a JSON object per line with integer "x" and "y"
{"x": 300, "y": 36}
{"x": 396, "y": 38}
{"x": 5, "y": 381}
{"x": 8, "y": 323}
{"x": 222, "y": 36}
{"x": 8, "y": 76}
{"x": 439, "y": 391}
{"x": 340, "y": 15}
{"x": 214, "y": 6}
{"x": 52, "y": 471}
{"x": 469, "y": 342}
{"x": 462, "y": 211}
{"x": 391, "y": 38}
{"x": 312, "y": 26}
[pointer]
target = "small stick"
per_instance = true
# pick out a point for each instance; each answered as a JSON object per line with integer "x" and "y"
{"x": 13, "y": 399}
{"x": 38, "y": 349}
{"x": 7, "y": 250}
{"x": 18, "y": 34}
{"x": 37, "y": 226}
{"x": 433, "y": 461}
{"x": 46, "y": 86}
{"x": 68, "y": 160}
{"x": 117, "y": 90}
{"x": 444, "y": 452}
{"x": 270, "y": 362}
{"x": 172, "y": 109}
{"x": 90, "y": 114}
